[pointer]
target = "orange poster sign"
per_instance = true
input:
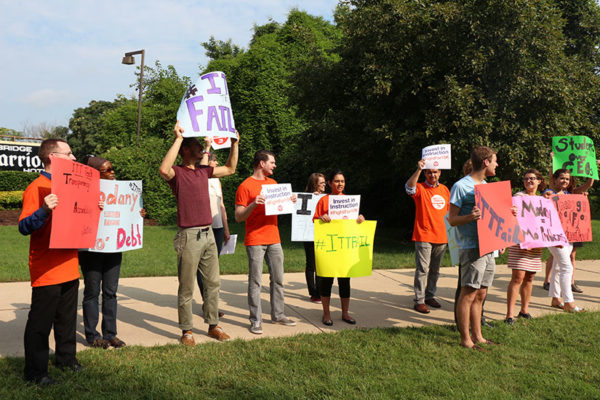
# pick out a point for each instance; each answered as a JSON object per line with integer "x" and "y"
{"x": 498, "y": 227}
{"x": 75, "y": 219}
{"x": 574, "y": 213}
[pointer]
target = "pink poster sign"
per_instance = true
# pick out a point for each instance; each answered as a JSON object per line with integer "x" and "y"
{"x": 75, "y": 219}
{"x": 539, "y": 222}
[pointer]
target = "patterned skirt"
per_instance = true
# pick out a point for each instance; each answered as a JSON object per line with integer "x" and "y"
{"x": 527, "y": 260}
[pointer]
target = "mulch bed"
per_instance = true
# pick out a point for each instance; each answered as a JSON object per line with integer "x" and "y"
{"x": 11, "y": 217}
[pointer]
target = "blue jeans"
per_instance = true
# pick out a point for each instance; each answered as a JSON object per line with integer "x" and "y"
{"x": 100, "y": 268}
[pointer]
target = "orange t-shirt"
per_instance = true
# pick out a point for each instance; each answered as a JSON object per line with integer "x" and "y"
{"x": 322, "y": 207}
{"x": 431, "y": 206}
{"x": 46, "y": 266}
{"x": 261, "y": 229}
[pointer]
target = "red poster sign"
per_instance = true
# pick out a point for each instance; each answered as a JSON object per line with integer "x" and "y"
{"x": 498, "y": 227}
{"x": 75, "y": 219}
{"x": 574, "y": 213}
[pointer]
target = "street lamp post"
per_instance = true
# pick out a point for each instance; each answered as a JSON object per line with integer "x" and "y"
{"x": 129, "y": 60}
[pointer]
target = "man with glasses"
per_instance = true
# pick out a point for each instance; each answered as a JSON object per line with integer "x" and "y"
{"x": 54, "y": 276}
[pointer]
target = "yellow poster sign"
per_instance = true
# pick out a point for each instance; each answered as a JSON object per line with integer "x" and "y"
{"x": 344, "y": 248}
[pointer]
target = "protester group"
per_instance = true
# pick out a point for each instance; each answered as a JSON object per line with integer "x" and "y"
{"x": 203, "y": 230}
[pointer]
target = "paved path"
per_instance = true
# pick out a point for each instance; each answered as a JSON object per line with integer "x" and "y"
{"x": 148, "y": 306}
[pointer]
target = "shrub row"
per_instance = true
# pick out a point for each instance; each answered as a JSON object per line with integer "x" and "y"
{"x": 16, "y": 180}
{"x": 10, "y": 200}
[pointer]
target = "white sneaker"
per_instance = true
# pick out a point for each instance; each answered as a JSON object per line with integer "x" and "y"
{"x": 256, "y": 328}
{"x": 284, "y": 321}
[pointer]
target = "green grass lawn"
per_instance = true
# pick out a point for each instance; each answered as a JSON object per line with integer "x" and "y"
{"x": 553, "y": 357}
{"x": 157, "y": 258}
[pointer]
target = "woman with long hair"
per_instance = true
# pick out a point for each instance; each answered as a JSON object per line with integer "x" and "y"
{"x": 337, "y": 184}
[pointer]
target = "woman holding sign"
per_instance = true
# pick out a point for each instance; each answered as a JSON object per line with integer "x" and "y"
{"x": 337, "y": 183}
{"x": 561, "y": 277}
{"x": 523, "y": 262}
{"x": 561, "y": 182}
{"x": 101, "y": 270}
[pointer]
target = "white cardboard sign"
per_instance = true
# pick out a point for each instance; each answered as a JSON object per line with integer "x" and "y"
{"x": 437, "y": 156}
{"x": 278, "y": 199}
{"x": 205, "y": 109}
{"x": 121, "y": 227}
{"x": 344, "y": 207}
{"x": 303, "y": 228}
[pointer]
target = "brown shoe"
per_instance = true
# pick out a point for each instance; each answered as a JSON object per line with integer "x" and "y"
{"x": 187, "y": 339}
{"x": 422, "y": 308}
{"x": 116, "y": 343}
{"x": 218, "y": 333}
{"x": 433, "y": 303}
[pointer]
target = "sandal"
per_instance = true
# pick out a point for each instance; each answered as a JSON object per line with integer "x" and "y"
{"x": 560, "y": 306}
{"x": 327, "y": 322}
{"x": 576, "y": 309}
{"x": 350, "y": 320}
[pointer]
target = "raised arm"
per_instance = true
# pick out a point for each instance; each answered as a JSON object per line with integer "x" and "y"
{"x": 166, "y": 167}
{"x": 411, "y": 183}
{"x": 206, "y": 152}
{"x": 585, "y": 187}
{"x": 231, "y": 163}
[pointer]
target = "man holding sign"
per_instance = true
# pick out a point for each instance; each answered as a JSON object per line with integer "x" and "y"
{"x": 262, "y": 241}
{"x": 195, "y": 242}
{"x": 54, "y": 275}
{"x": 431, "y": 205}
{"x": 477, "y": 273}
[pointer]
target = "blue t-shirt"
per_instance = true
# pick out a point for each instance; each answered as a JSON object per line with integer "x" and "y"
{"x": 462, "y": 196}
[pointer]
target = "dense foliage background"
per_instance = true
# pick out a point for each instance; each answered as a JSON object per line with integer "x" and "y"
{"x": 368, "y": 91}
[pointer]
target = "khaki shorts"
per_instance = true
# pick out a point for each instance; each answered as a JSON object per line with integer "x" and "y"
{"x": 476, "y": 271}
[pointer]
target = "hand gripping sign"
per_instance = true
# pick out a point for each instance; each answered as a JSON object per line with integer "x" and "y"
{"x": 205, "y": 109}
{"x": 121, "y": 227}
{"x": 75, "y": 218}
{"x": 575, "y": 153}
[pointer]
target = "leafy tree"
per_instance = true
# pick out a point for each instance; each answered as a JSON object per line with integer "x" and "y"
{"x": 461, "y": 72}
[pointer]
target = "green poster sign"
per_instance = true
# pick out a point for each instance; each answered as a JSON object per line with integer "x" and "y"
{"x": 575, "y": 153}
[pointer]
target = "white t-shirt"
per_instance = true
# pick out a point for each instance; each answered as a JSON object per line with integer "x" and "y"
{"x": 216, "y": 194}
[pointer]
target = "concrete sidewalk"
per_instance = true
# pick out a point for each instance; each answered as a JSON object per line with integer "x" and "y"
{"x": 148, "y": 306}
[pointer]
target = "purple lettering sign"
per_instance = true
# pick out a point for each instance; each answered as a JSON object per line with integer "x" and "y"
{"x": 205, "y": 108}
{"x": 539, "y": 222}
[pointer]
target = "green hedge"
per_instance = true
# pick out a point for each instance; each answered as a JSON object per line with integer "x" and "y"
{"x": 16, "y": 180}
{"x": 10, "y": 200}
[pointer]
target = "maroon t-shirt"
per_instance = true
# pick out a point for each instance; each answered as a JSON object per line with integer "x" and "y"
{"x": 190, "y": 187}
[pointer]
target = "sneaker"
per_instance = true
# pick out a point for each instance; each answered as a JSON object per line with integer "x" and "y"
{"x": 256, "y": 328}
{"x": 315, "y": 299}
{"x": 284, "y": 321}
{"x": 576, "y": 288}
{"x": 546, "y": 286}
{"x": 44, "y": 381}
{"x": 509, "y": 321}
{"x": 218, "y": 333}
{"x": 524, "y": 315}
{"x": 75, "y": 367}
{"x": 187, "y": 339}
{"x": 116, "y": 343}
